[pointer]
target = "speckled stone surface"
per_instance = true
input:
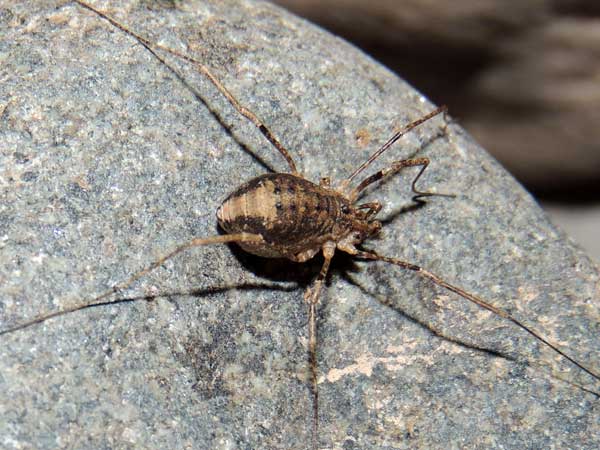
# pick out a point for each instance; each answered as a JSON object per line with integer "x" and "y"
{"x": 108, "y": 161}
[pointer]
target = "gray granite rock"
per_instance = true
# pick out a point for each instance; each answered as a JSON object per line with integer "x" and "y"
{"x": 108, "y": 160}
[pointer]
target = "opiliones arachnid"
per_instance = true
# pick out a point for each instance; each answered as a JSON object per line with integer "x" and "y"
{"x": 283, "y": 215}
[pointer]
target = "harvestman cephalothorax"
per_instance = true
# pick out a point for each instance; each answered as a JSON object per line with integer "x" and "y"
{"x": 286, "y": 216}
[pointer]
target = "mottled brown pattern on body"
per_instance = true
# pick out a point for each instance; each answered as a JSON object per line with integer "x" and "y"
{"x": 290, "y": 212}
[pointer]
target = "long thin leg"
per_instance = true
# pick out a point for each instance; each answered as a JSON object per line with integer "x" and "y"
{"x": 212, "y": 78}
{"x": 482, "y": 303}
{"x": 392, "y": 140}
{"x": 312, "y": 299}
{"x": 101, "y": 299}
{"x": 393, "y": 169}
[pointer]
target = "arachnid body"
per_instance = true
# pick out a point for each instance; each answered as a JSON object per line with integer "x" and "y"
{"x": 296, "y": 216}
{"x": 228, "y": 369}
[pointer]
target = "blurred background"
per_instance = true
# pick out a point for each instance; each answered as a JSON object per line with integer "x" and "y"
{"x": 522, "y": 77}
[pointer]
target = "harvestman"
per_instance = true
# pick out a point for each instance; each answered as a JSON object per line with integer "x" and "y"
{"x": 283, "y": 215}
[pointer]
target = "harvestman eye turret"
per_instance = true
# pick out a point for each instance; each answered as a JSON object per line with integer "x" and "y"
{"x": 284, "y": 215}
